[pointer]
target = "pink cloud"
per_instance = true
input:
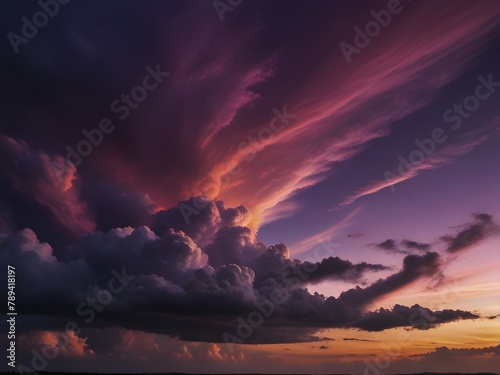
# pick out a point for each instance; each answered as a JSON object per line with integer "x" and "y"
{"x": 48, "y": 184}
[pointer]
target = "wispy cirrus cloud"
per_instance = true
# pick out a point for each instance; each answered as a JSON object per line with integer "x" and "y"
{"x": 224, "y": 85}
{"x": 327, "y": 235}
{"x": 446, "y": 155}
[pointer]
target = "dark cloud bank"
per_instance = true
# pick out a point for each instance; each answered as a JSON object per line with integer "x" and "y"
{"x": 195, "y": 280}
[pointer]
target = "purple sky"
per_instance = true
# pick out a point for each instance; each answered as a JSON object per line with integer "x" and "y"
{"x": 232, "y": 155}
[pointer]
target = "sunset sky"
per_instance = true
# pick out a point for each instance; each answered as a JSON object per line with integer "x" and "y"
{"x": 252, "y": 186}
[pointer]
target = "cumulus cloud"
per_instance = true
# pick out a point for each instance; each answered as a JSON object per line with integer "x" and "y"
{"x": 200, "y": 218}
{"x": 34, "y": 260}
{"x": 140, "y": 251}
{"x": 197, "y": 293}
{"x": 52, "y": 342}
{"x": 236, "y": 245}
{"x": 274, "y": 266}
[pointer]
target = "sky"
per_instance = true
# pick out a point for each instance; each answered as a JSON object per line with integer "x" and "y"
{"x": 251, "y": 186}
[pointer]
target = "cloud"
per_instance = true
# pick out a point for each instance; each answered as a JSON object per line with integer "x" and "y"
{"x": 479, "y": 229}
{"x": 462, "y": 145}
{"x": 416, "y": 245}
{"x": 333, "y": 268}
{"x": 113, "y": 206}
{"x": 200, "y": 218}
{"x": 236, "y": 245}
{"x": 444, "y": 352}
{"x": 245, "y": 73}
{"x": 67, "y": 282}
{"x": 177, "y": 291}
{"x": 414, "y": 268}
{"x": 356, "y": 235}
{"x": 36, "y": 194}
{"x": 444, "y": 359}
{"x": 387, "y": 245}
{"x": 51, "y": 342}
{"x": 274, "y": 267}
{"x": 415, "y": 316}
{"x": 199, "y": 266}
{"x": 140, "y": 251}
{"x": 390, "y": 246}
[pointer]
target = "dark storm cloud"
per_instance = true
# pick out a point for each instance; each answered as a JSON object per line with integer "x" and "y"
{"x": 275, "y": 264}
{"x": 34, "y": 263}
{"x": 113, "y": 206}
{"x": 335, "y": 268}
{"x": 236, "y": 245}
{"x": 174, "y": 289}
{"x": 140, "y": 251}
{"x": 37, "y": 191}
{"x": 479, "y": 229}
{"x": 414, "y": 267}
{"x": 200, "y": 218}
